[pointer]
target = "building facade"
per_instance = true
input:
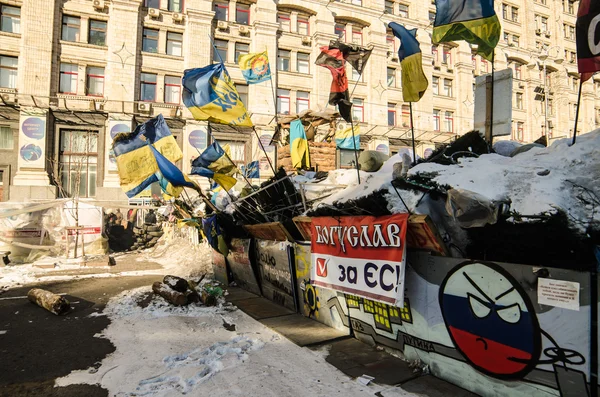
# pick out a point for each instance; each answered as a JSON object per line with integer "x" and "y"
{"x": 74, "y": 73}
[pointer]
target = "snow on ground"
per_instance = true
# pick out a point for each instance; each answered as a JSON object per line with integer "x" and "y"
{"x": 181, "y": 258}
{"x": 162, "y": 350}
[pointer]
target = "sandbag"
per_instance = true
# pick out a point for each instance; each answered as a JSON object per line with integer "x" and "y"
{"x": 55, "y": 304}
{"x": 371, "y": 160}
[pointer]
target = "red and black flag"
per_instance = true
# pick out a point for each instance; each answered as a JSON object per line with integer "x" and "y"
{"x": 333, "y": 59}
{"x": 355, "y": 55}
{"x": 588, "y": 38}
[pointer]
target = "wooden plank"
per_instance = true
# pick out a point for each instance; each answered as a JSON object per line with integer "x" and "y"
{"x": 269, "y": 231}
{"x": 423, "y": 235}
{"x": 304, "y": 225}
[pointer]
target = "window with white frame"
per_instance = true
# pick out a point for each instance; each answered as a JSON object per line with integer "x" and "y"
{"x": 68, "y": 79}
{"x": 97, "y": 34}
{"x": 175, "y": 5}
{"x": 7, "y": 140}
{"x": 403, "y": 10}
{"x": 70, "y": 28}
{"x": 391, "y": 114}
{"x": 303, "y": 62}
{"x": 220, "y": 51}
{"x": 447, "y": 56}
{"x": 172, "y": 89}
{"x": 569, "y": 31}
{"x": 303, "y": 25}
{"x": 148, "y": 87}
{"x": 358, "y": 110}
{"x": 406, "y": 116}
{"x": 242, "y": 14}
{"x": 283, "y": 101}
{"x": 391, "y": 42}
{"x": 302, "y": 101}
{"x": 284, "y": 21}
{"x": 354, "y": 75}
{"x": 389, "y": 7}
{"x": 435, "y": 85}
{"x": 8, "y": 71}
{"x": 95, "y": 81}
{"x": 448, "y": 88}
{"x": 221, "y": 11}
{"x": 150, "y": 40}
{"x": 78, "y": 162}
{"x": 283, "y": 60}
{"x": 436, "y": 119}
{"x": 357, "y": 36}
{"x": 519, "y": 100}
{"x": 10, "y": 19}
{"x": 240, "y": 49}
{"x": 242, "y": 90}
{"x": 391, "y": 77}
{"x": 434, "y": 53}
{"x": 174, "y": 43}
{"x": 449, "y": 121}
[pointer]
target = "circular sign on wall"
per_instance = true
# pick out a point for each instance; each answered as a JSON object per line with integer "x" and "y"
{"x": 34, "y": 128}
{"x": 31, "y": 152}
{"x": 198, "y": 139}
{"x": 383, "y": 148}
{"x": 266, "y": 140}
{"x": 118, "y": 128}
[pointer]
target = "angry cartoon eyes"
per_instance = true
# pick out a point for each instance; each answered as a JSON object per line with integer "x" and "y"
{"x": 481, "y": 309}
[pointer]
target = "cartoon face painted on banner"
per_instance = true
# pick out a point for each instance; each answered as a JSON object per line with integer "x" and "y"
{"x": 260, "y": 65}
{"x": 490, "y": 320}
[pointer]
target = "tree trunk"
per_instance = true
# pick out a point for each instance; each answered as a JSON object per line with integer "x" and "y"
{"x": 176, "y": 283}
{"x": 171, "y": 296}
{"x": 53, "y": 303}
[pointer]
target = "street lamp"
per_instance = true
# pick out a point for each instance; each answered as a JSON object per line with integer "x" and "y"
{"x": 543, "y": 58}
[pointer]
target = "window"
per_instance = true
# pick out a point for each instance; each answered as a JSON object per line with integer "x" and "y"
{"x": 434, "y": 53}
{"x": 448, "y": 88}
{"x": 8, "y": 71}
{"x": 435, "y": 85}
{"x": 541, "y": 23}
{"x": 517, "y": 71}
{"x": 221, "y": 11}
{"x": 175, "y": 5}
{"x": 242, "y": 90}
{"x": 283, "y": 60}
{"x": 484, "y": 65}
{"x": 505, "y": 10}
{"x": 432, "y": 16}
{"x": 303, "y": 62}
{"x": 519, "y": 100}
{"x": 97, "y": 34}
{"x": 148, "y": 87}
{"x": 70, "y": 28}
{"x": 519, "y": 131}
{"x": 240, "y": 49}
{"x": 242, "y": 14}
{"x": 220, "y": 51}
{"x": 238, "y": 151}
{"x": 391, "y": 114}
{"x": 389, "y": 7}
{"x": 153, "y": 3}
{"x": 302, "y": 101}
{"x": 391, "y": 42}
{"x": 95, "y": 81}
{"x": 68, "y": 78}
{"x": 436, "y": 119}
{"x": 7, "y": 140}
{"x": 568, "y": 6}
{"x": 284, "y": 22}
{"x": 174, "y": 43}
{"x": 550, "y": 107}
{"x": 406, "y": 116}
{"x": 354, "y": 75}
{"x": 150, "y": 40}
{"x": 403, "y": 10}
{"x": 474, "y": 61}
{"x": 283, "y": 101}
{"x": 340, "y": 30}
{"x": 172, "y": 89}
{"x": 447, "y": 56}
{"x": 569, "y": 31}
{"x": 358, "y": 109}
{"x": 575, "y": 83}
{"x": 515, "y": 40}
{"x": 78, "y": 161}
{"x": 514, "y": 14}
{"x": 449, "y": 122}
{"x": 303, "y": 26}
{"x": 391, "y": 77}
{"x": 505, "y": 36}
{"x": 357, "y": 37}
{"x": 10, "y": 19}
{"x": 347, "y": 159}
{"x": 356, "y": 2}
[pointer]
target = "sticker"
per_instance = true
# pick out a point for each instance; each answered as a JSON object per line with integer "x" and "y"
{"x": 558, "y": 293}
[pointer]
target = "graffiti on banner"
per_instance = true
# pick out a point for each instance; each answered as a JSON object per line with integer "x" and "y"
{"x": 241, "y": 268}
{"x": 361, "y": 255}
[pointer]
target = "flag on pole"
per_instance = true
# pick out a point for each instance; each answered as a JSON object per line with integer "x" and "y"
{"x": 474, "y": 21}
{"x": 355, "y": 55}
{"x": 136, "y": 162}
{"x": 333, "y": 59}
{"x": 170, "y": 178}
{"x": 344, "y": 139}
{"x": 215, "y": 164}
{"x": 299, "y": 145}
{"x": 210, "y": 94}
{"x": 414, "y": 81}
{"x": 252, "y": 170}
{"x": 588, "y": 38}
{"x": 255, "y": 67}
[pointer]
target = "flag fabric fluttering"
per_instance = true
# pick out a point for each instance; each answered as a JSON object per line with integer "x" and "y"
{"x": 414, "y": 81}
{"x": 252, "y": 170}
{"x": 333, "y": 59}
{"x": 136, "y": 162}
{"x": 215, "y": 164}
{"x": 474, "y": 21}
{"x": 255, "y": 67}
{"x": 170, "y": 178}
{"x": 344, "y": 139}
{"x": 210, "y": 94}
{"x": 214, "y": 234}
{"x": 588, "y": 37}
{"x": 355, "y": 55}
{"x": 299, "y": 145}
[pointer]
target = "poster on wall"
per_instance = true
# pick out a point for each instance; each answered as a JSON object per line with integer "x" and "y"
{"x": 263, "y": 160}
{"x": 241, "y": 268}
{"x": 195, "y": 143}
{"x": 275, "y": 272}
{"x": 32, "y": 142}
{"x": 361, "y": 255}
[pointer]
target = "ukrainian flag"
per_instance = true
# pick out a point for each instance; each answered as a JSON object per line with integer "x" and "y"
{"x": 210, "y": 94}
{"x": 299, "y": 145}
{"x": 252, "y": 170}
{"x": 255, "y": 67}
{"x": 213, "y": 163}
{"x": 135, "y": 158}
{"x": 414, "y": 82}
{"x": 171, "y": 179}
{"x": 344, "y": 138}
{"x": 474, "y": 21}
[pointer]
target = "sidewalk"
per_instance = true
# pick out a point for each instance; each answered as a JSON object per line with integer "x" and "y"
{"x": 346, "y": 353}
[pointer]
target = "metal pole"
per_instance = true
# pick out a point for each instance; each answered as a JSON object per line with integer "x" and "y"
{"x": 545, "y": 100}
{"x": 412, "y": 132}
{"x": 577, "y": 111}
{"x": 264, "y": 150}
{"x": 355, "y": 148}
{"x": 594, "y": 330}
{"x": 492, "y": 101}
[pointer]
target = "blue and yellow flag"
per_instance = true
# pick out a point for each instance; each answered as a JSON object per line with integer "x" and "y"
{"x": 170, "y": 178}
{"x": 136, "y": 161}
{"x": 344, "y": 138}
{"x": 299, "y": 145}
{"x": 215, "y": 164}
{"x": 255, "y": 67}
{"x": 414, "y": 82}
{"x": 473, "y": 21}
{"x": 210, "y": 94}
{"x": 252, "y": 170}
{"x": 214, "y": 234}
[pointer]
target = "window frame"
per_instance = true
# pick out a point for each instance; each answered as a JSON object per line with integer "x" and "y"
{"x": 305, "y": 21}
{"x": 304, "y": 100}
{"x": 339, "y": 29}
{"x": 10, "y": 17}
{"x": 144, "y": 82}
{"x": 403, "y": 13}
{"x": 89, "y": 76}
{"x": 75, "y": 79}
{"x": 146, "y": 38}
{"x": 219, "y": 46}
{"x": 435, "y": 85}
{"x": 70, "y": 155}
{"x": 449, "y": 120}
{"x": 358, "y": 104}
{"x": 448, "y": 88}
{"x": 10, "y": 70}
{"x": 393, "y": 76}
{"x": 242, "y": 10}
{"x": 171, "y": 41}
{"x": 178, "y": 85}
{"x": 284, "y": 16}
{"x": 406, "y": 115}
{"x": 298, "y": 60}
{"x": 92, "y": 29}
{"x": 358, "y": 33}
{"x": 281, "y": 59}
{"x": 519, "y": 100}
{"x": 172, "y": 9}
{"x": 146, "y": 4}
{"x": 436, "y": 120}
{"x": 221, "y": 6}
{"x": 237, "y": 52}
{"x": 391, "y": 111}
{"x": 388, "y": 7}
{"x": 280, "y": 97}
{"x": 10, "y": 137}
{"x": 67, "y": 25}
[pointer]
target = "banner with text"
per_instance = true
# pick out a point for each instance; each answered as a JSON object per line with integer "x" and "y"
{"x": 361, "y": 255}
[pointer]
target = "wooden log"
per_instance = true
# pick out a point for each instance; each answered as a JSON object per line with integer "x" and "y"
{"x": 171, "y": 296}
{"x": 55, "y": 304}
{"x": 176, "y": 283}
{"x": 192, "y": 296}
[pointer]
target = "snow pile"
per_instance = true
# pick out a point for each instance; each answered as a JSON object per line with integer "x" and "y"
{"x": 181, "y": 257}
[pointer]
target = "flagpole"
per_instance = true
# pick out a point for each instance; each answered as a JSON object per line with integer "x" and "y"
{"x": 492, "y": 101}
{"x": 577, "y": 112}
{"x": 263, "y": 149}
{"x": 412, "y": 132}
{"x": 355, "y": 148}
